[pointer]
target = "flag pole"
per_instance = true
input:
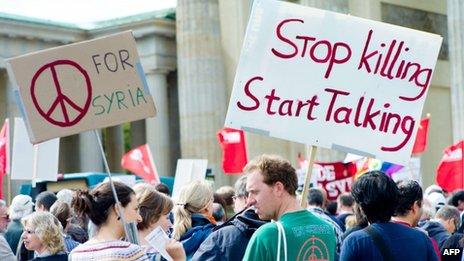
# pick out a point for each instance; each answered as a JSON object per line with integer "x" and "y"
{"x": 311, "y": 154}
{"x": 8, "y": 187}
{"x": 119, "y": 211}
{"x": 34, "y": 166}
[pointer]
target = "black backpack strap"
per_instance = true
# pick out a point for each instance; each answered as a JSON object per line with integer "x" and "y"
{"x": 380, "y": 243}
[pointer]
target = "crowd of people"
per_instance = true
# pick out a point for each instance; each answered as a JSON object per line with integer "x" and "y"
{"x": 261, "y": 218}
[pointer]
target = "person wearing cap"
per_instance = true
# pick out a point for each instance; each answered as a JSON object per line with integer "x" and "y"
{"x": 437, "y": 201}
{"x": 21, "y": 206}
{"x": 433, "y": 189}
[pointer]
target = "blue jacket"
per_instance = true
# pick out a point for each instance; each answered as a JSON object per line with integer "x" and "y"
{"x": 194, "y": 236}
{"x": 13, "y": 234}
{"x": 229, "y": 241}
{"x": 436, "y": 231}
{"x": 403, "y": 243}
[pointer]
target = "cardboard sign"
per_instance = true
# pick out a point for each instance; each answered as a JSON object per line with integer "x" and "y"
{"x": 332, "y": 80}
{"x": 23, "y": 156}
{"x": 82, "y": 86}
{"x": 188, "y": 170}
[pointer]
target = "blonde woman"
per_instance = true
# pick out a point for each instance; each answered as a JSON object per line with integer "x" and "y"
{"x": 193, "y": 220}
{"x": 44, "y": 235}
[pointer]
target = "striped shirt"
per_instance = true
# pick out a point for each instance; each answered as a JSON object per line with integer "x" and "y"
{"x": 108, "y": 251}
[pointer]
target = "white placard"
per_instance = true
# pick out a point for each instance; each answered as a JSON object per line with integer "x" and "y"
{"x": 332, "y": 80}
{"x": 129, "y": 180}
{"x": 158, "y": 240}
{"x": 188, "y": 170}
{"x": 410, "y": 171}
{"x": 82, "y": 86}
{"x": 23, "y": 156}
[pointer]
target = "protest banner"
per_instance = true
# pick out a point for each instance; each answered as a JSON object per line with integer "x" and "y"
{"x": 334, "y": 177}
{"x": 81, "y": 86}
{"x": 27, "y": 166}
{"x": 332, "y": 80}
{"x": 188, "y": 170}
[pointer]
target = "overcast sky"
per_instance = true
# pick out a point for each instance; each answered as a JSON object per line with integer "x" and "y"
{"x": 82, "y": 11}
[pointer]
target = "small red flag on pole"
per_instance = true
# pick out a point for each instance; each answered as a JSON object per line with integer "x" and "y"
{"x": 421, "y": 138}
{"x": 140, "y": 162}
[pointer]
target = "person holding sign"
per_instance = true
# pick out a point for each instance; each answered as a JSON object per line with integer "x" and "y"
{"x": 271, "y": 186}
{"x": 154, "y": 207}
{"x": 100, "y": 206}
{"x": 193, "y": 220}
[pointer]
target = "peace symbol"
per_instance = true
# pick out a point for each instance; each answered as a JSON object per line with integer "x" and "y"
{"x": 61, "y": 99}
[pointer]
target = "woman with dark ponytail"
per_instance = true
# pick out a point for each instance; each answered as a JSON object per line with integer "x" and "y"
{"x": 99, "y": 205}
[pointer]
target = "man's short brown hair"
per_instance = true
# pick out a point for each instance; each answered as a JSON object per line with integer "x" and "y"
{"x": 274, "y": 168}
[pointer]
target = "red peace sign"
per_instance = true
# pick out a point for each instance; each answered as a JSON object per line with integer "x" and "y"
{"x": 61, "y": 99}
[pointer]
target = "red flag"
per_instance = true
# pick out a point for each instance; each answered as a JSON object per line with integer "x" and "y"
{"x": 450, "y": 168}
{"x": 421, "y": 138}
{"x": 234, "y": 156}
{"x": 4, "y": 153}
{"x": 335, "y": 177}
{"x": 140, "y": 162}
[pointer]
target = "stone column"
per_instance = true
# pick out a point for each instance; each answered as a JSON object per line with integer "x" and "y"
{"x": 157, "y": 128}
{"x": 114, "y": 147}
{"x": 69, "y": 154}
{"x": 339, "y": 6}
{"x": 202, "y": 88}
{"x": 456, "y": 54}
{"x": 137, "y": 133}
{"x": 89, "y": 153}
{"x": 3, "y": 94}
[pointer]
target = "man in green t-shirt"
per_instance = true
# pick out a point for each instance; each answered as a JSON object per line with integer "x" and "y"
{"x": 271, "y": 186}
